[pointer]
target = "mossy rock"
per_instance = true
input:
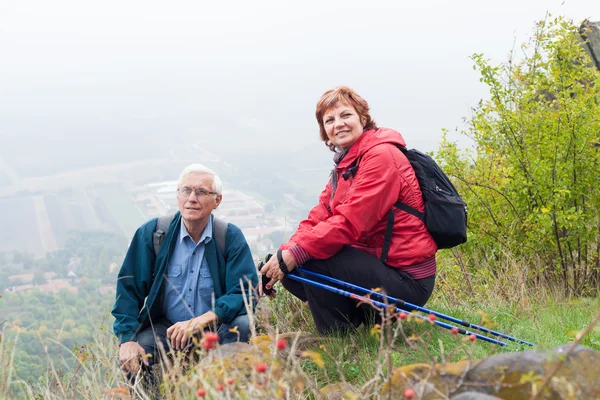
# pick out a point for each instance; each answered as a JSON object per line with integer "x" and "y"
{"x": 239, "y": 370}
{"x": 507, "y": 376}
{"x": 339, "y": 391}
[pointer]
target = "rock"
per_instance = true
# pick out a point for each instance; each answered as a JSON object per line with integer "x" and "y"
{"x": 339, "y": 391}
{"x": 507, "y": 376}
{"x": 590, "y": 33}
{"x": 474, "y": 396}
{"x": 230, "y": 350}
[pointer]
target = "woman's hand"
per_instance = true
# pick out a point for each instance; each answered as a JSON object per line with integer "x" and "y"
{"x": 273, "y": 272}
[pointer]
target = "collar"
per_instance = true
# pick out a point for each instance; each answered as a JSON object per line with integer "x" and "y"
{"x": 204, "y": 238}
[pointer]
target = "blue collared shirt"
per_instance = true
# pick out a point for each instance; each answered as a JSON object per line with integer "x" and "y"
{"x": 188, "y": 283}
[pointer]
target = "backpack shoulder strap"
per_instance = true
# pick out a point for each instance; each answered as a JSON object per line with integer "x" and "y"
{"x": 162, "y": 226}
{"x": 403, "y": 206}
{"x": 219, "y": 231}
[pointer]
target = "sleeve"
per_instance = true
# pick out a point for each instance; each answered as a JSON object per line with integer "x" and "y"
{"x": 133, "y": 285}
{"x": 372, "y": 194}
{"x": 240, "y": 271}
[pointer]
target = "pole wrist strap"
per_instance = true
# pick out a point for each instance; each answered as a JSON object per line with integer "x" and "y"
{"x": 282, "y": 265}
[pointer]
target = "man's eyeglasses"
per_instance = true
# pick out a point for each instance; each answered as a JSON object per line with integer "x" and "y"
{"x": 200, "y": 193}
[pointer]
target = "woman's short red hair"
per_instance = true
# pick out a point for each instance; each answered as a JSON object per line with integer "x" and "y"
{"x": 344, "y": 95}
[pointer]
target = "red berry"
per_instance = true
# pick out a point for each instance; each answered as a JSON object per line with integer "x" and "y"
{"x": 402, "y": 315}
{"x": 261, "y": 368}
{"x": 230, "y": 381}
{"x": 211, "y": 337}
{"x": 431, "y": 317}
{"x": 281, "y": 344}
{"x": 208, "y": 344}
{"x": 454, "y": 331}
{"x": 472, "y": 337}
{"x": 219, "y": 387}
{"x": 409, "y": 394}
{"x": 201, "y": 392}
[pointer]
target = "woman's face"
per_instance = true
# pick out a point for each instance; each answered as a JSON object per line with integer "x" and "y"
{"x": 342, "y": 125}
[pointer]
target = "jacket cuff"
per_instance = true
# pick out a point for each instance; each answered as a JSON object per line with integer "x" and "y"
{"x": 127, "y": 337}
{"x": 300, "y": 255}
{"x": 221, "y": 310}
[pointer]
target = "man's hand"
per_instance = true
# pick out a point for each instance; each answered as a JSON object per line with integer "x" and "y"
{"x": 130, "y": 355}
{"x": 180, "y": 332}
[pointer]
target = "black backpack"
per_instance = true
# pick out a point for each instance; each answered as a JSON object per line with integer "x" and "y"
{"x": 445, "y": 213}
{"x": 162, "y": 226}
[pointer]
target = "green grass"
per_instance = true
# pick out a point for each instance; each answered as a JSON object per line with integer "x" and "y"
{"x": 363, "y": 358}
{"x": 358, "y": 355}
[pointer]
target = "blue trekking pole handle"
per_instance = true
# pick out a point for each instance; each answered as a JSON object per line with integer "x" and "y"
{"x": 411, "y": 306}
{"x": 380, "y": 304}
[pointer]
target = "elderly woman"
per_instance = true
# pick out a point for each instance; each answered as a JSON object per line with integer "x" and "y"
{"x": 344, "y": 235}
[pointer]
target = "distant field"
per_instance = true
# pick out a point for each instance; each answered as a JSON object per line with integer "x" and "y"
{"x": 19, "y": 226}
{"x": 119, "y": 205}
{"x": 108, "y": 208}
{"x": 57, "y": 218}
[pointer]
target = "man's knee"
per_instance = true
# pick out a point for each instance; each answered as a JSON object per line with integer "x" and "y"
{"x": 236, "y": 330}
{"x": 147, "y": 340}
{"x": 152, "y": 339}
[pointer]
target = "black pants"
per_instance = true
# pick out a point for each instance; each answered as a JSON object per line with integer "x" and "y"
{"x": 334, "y": 312}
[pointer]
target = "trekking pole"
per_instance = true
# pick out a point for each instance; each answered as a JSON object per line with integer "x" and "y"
{"x": 385, "y": 306}
{"x": 411, "y": 306}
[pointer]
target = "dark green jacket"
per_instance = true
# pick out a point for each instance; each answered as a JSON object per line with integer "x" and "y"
{"x": 142, "y": 275}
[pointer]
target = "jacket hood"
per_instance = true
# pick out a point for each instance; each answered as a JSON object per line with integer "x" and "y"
{"x": 370, "y": 139}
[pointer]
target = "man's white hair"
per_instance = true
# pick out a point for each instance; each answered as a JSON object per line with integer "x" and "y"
{"x": 217, "y": 186}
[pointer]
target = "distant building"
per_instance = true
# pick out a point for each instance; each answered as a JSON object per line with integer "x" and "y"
{"x": 54, "y": 286}
{"x": 28, "y": 278}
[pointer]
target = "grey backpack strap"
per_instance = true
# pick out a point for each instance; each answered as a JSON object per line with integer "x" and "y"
{"x": 162, "y": 226}
{"x": 219, "y": 231}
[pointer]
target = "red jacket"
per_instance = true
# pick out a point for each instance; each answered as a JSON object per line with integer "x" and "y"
{"x": 357, "y": 214}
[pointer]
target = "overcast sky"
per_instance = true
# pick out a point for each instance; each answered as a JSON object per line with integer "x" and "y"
{"x": 246, "y": 74}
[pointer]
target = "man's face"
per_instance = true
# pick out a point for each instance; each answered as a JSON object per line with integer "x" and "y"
{"x": 196, "y": 208}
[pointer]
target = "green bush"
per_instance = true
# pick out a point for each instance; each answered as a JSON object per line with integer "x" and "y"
{"x": 531, "y": 180}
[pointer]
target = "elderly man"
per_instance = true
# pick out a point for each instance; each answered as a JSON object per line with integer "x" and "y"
{"x": 192, "y": 283}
